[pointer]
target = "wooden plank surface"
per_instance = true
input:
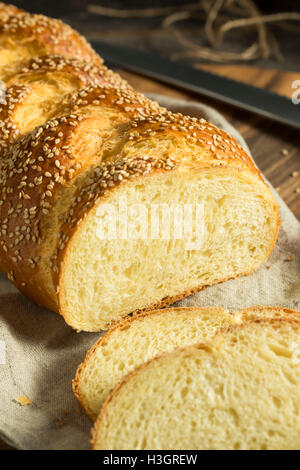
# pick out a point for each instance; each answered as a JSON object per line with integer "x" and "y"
{"x": 275, "y": 147}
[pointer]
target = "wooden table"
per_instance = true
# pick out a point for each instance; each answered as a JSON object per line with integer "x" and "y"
{"x": 275, "y": 147}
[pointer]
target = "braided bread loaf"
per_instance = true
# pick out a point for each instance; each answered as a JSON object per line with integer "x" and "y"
{"x": 69, "y": 156}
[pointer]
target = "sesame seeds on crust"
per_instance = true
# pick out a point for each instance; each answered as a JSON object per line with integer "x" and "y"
{"x": 33, "y": 170}
{"x": 37, "y": 165}
{"x": 46, "y": 188}
{"x": 218, "y": 146}
{"x": 89, "y": 73}
{"x": 14, "y": 97}
{"x": 83, "y": 146}
{"x": 7, "y": 9}
{"x": 57, "y": 63}
{"x": 20, "y": 85}
{"x": 125, "y": 99}
{"x": 54, "y": 35}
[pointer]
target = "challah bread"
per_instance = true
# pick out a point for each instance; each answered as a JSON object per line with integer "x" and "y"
{"x": 67, "y": 168}
{"x": 139, "y": 339}
{"x": 24, "y": 36}
{"x": 238, "y": 391}
{"x": 104, "y": 145}
{"x": 41, "y": 87}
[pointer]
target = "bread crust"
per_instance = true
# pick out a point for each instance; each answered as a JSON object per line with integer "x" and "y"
{"x": 258, "y": 308}
{"x": 204, "y": 346}
{"x": 124, "y": 324}
{"x": 7, "y": 9}
{"x": 50, "y": 36}
{"x": 20, "y": 85}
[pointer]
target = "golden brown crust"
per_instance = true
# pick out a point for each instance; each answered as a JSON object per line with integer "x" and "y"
{"x": 116, "y": 94}
{"x": 87, "y": 73}
{"x": 49, "y": 35}
{"x": 90, "y": 74}
{"x": 121, "y": 325}
{"x": 45, "y": 68}
{"x": 204, "y": 346}
{"x": 288, "y": 311}
{"x": 7, "y": 10}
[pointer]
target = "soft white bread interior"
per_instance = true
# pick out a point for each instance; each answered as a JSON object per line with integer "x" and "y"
{"x": 239, "y": 391}
{"x": 136, "y": 340}
{"x": 126, "y": 275}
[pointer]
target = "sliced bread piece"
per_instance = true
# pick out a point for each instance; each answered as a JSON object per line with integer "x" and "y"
{"x": 240, "y": 391}
{"x": 261, "y": 311}
{"x": 136, "y": 340}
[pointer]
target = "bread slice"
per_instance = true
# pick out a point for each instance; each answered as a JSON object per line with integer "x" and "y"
{"x": 134, "y": 341}
{"x": 239, "y": 391}
{"x": 261, "y": 312}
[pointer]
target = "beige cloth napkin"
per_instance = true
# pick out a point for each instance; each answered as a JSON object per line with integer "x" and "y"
{"x": 42, "y": 353}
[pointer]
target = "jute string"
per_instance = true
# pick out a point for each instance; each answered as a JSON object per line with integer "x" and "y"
{"x": 216, "y": 19}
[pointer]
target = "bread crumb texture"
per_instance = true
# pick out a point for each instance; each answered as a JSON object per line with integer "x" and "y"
{"x": 137, "y": 340}
{"x": 239, "y": 391}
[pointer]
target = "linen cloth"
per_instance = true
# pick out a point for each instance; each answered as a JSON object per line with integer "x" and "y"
{"x": 42, "y": 352}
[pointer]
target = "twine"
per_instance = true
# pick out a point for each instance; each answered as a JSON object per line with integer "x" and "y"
{"x": 216, "y": 19}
